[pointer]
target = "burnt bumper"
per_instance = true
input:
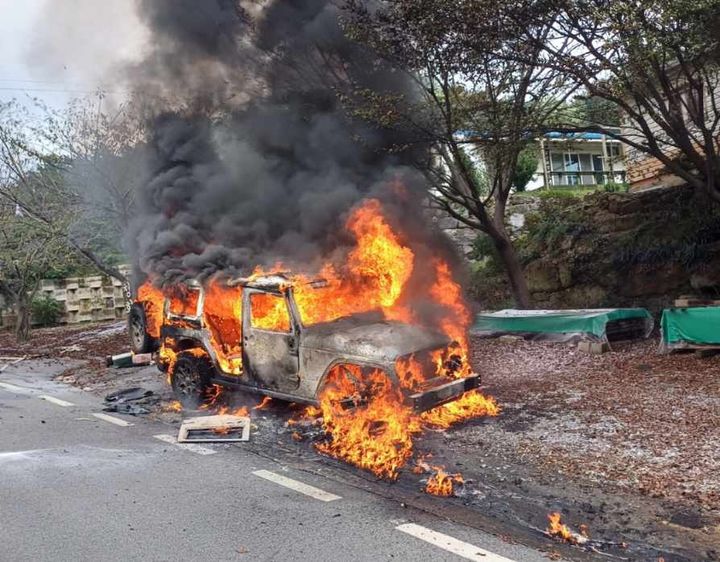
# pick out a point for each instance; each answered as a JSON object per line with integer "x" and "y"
{"x": 444, "y": 393}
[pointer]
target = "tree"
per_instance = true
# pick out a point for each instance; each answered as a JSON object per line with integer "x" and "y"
{"x": 657, "y": 62}
{"x": 473, "y": 93}
{"x": 594, "y": 110}
{"x": 27, "y": 252}
{"x": 75, "y": 173}
{"x": 526, "y": 167}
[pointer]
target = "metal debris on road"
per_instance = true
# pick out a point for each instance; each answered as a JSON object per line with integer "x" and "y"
{"x": 134, "y": 401}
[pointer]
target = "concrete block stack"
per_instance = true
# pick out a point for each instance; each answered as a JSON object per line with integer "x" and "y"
{"x": 84, "y": 299}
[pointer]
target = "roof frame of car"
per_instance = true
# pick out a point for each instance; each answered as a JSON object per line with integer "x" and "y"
{"x": 272, "y": 282}
{"x": 275, "y": 282}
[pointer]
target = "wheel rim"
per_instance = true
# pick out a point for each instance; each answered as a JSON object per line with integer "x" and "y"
{"x": 186, "y": 381}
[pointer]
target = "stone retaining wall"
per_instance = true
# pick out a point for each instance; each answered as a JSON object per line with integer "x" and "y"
{"x": 634, "y": 249}
{"x": 462, "y": 235}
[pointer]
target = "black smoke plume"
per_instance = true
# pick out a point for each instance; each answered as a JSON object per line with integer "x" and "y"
{"x": 252, "y": 158}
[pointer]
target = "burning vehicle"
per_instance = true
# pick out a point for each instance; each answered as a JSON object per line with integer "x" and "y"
{"x": 373, "y": 342}
{"x": 264, "y": 346}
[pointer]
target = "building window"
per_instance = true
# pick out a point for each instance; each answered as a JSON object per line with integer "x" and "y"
{"x": 614, "y": 150}
{"x": 577, "y": 168}
{"x": 598, "y": 166}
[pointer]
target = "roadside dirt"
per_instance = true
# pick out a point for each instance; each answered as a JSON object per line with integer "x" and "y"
{"x": 624, "y": 442}
{"x": 631, "y": 419}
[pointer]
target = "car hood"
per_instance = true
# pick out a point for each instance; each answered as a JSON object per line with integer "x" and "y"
{"x": 376, "y": 341}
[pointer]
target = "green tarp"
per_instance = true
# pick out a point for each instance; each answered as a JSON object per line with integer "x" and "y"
{"x": 697, "y": 326}
{"x": 591, "y": 322}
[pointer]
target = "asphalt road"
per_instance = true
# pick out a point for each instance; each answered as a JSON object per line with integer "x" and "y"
{"x": 76, "y": 487}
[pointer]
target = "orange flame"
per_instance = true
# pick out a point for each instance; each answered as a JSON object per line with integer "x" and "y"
{"x": 226, "y": 410}
{"x": 173, "y": 406}
{"x": 558, "y": 529}
{"x": 222, "y": 314}
{"x": 212, "y": 395}
{"x": 373, "y": 277}
{"x": 263, "y": 404}
{"x": 364, "y": 415}
{"x": 443, "y": 484}
{"x": 153, "y": 301}
{"x": 375, "y": 434}
{"x": 473, "y": 404}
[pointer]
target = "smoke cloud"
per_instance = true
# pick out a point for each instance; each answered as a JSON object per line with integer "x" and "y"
{"x": 82, "y": 43}
{"x": 251, "y": 158}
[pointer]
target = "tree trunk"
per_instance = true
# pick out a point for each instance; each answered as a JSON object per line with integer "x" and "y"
{"x": 513, "y": 269}
{"x": 713, "y": 185}
{"x": 23, "y": 312}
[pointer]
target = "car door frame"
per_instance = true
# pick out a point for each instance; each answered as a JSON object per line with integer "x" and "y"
{"x": 291, "y": 341}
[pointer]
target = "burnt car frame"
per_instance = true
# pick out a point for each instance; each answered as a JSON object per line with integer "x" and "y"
{"x": 292, "y": 365}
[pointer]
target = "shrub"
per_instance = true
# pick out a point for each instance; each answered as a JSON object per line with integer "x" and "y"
{"x": 46, "y": 310}
{"x": 486, "y": 255}
{"x": 614, "y": 187}
{"x": 557, "y": 193}
{"x": 554, "y": 220}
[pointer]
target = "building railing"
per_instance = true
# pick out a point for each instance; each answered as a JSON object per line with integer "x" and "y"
{"x": 584, "y": 179}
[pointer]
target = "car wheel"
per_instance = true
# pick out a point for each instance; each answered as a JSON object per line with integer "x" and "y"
{"x": 140, "y": 340}
{"x": 190, "y": 379}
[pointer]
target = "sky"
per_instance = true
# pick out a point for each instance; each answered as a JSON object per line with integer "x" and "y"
{"x": 57, "y": 50}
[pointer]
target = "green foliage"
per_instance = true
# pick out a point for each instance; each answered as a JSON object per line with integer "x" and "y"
{"x": 28, "y": 249}
{"x": 526, "y": 167}
{"x": 69, "y": 265}
{"x": 553, "y": 221}
{"x": 654, "y": 60}
{"x": 595, "y": 110}
{"x": 488, "y": 282}
{"x": 558, "y": 193}
{"x": 615, "y": 187}
{"x": 75, "y": 173}
{"x": 487, "y": 259}
{"x": 476, "y": 172}
{"x": 46, "y": 310}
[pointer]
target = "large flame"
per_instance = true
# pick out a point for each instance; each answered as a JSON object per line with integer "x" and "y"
{"x": 364, "y": 415}
{"x": 222, "y": 314}
{"x": 373, "y": 276}
{"x": 153, "y": 300}
{"x": 366, "y": 422}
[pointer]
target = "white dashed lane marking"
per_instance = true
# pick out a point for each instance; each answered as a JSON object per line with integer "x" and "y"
{"x": 16, "y": 389}
{"x": 56, "y": 401}
{"x": 306, "y": 489}
{"x": 112, "y": 419}
{"x": 451, "y": 544}
{"x": 187, "y": 446}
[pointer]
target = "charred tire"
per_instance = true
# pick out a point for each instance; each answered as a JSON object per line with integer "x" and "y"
{"x": 140, "y": 340}
{"x": 191, "y": 379}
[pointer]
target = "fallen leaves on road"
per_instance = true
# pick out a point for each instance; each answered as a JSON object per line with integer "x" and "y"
{"x": 632, "y": 418}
